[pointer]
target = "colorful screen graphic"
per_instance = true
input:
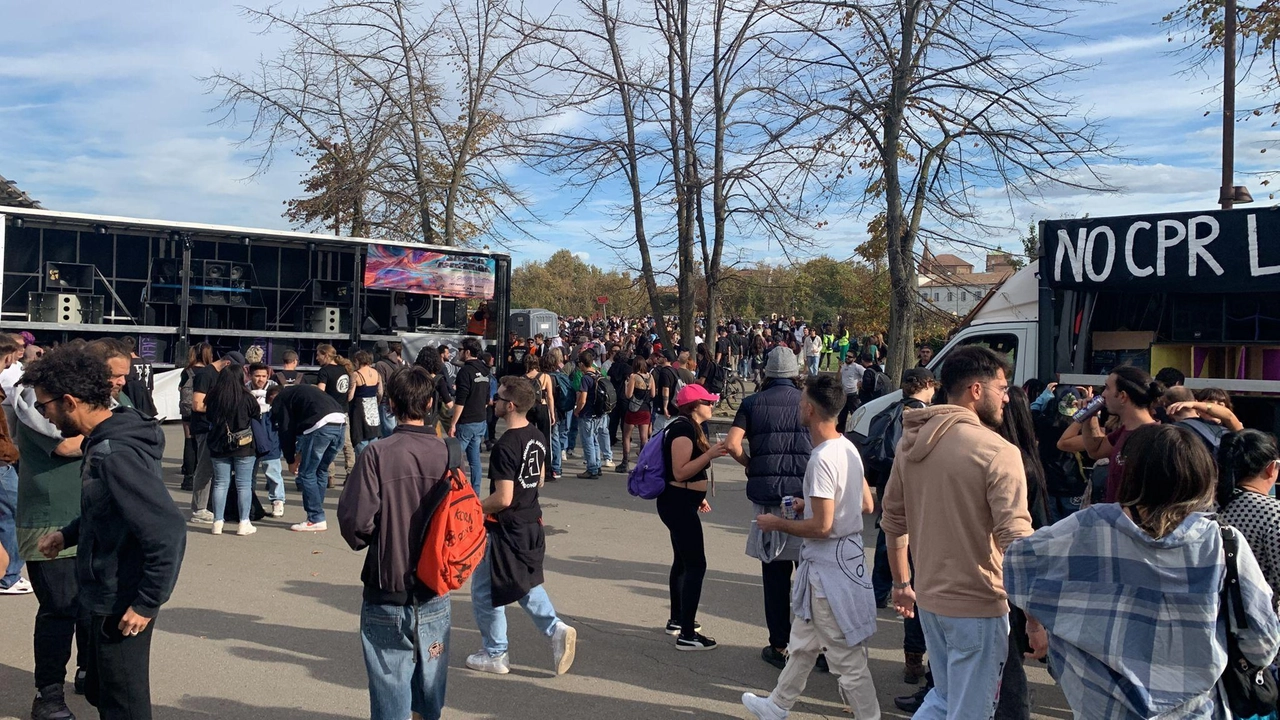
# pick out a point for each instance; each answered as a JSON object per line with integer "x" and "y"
{"x": 427, "y": 272}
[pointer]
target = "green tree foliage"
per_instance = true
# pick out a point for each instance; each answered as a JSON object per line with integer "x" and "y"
{"x": 566, "y": 285}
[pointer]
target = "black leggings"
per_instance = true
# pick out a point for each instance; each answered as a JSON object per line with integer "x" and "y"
{"x": 678, "y": 509}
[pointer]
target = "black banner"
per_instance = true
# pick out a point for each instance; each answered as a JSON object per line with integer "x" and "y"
{"x": 1218, "y": 251}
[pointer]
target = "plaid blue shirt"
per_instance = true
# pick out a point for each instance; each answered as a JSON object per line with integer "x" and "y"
{"x": 1133, "y": 621}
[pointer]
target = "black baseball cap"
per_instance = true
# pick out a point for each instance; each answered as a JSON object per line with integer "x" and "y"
{"x": 234, "y": 357}
{"x": 918, "y": 375}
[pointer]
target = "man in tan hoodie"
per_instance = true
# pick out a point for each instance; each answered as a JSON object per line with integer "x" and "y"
{"x": 957, "y": 493}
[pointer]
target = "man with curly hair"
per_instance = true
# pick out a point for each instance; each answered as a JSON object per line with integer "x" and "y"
{"x": 131, "y": 534}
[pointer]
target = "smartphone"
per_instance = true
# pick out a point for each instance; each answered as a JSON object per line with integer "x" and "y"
{"x": 1089, "y": 410}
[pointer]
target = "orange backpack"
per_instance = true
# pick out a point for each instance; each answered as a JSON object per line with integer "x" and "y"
{"x": 455, "y": 541}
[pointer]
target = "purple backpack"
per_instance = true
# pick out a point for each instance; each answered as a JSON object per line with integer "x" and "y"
{"x": 648, "y": 478}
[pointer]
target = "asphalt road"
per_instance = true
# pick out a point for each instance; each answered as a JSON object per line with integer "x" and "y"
{"x": 266, "y": 625}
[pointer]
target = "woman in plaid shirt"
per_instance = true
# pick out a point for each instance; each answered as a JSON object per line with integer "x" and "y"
{"x": 1128, "y": 592}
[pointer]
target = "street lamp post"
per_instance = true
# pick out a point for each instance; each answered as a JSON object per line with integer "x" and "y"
{"x": 1228, "y": 193}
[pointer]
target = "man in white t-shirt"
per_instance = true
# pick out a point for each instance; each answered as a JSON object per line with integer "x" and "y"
{"x": 850, "y": 377}
{"x": 834, "y": 606}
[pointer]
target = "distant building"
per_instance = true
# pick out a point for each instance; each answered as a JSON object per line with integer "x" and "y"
{"x": 11, "y": 196}
{"x": 949, "y": 283}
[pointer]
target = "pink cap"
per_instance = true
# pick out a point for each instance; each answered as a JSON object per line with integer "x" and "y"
{"x": 690, "y": 394}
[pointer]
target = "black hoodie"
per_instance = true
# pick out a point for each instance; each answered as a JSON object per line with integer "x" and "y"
{"x": 130, "y": 534}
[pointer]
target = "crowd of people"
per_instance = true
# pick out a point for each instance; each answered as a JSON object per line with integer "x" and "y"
{"x": 1132, "y": 540}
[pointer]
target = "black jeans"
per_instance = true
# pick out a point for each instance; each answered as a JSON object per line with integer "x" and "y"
{"x": 678, "y": 509}
{"x": 850, "y": 406}
{"x": 188, "y": 459}
{"x": 58, "y": 619}
{"x": 777, "y": 600}
{"x": 118, "y": 681}
{"x": 615, "y": 419}
{"x": 1015, "y": 699}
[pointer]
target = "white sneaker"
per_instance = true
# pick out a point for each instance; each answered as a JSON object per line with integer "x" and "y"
{"x": 564, "y": 643}
{"x": 21, "y": 586}
{"x": 246, "y": 528}
{"x": 277, "y": 508}
{"x": 310, "y": 526}
{"x": 763, "y": 708}
{"x": 202, "y": 516}
{"x": 484, "y": 662}
{"x": 217, "y": 527}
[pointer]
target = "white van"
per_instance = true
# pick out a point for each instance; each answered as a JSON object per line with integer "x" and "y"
{"x": 1007, "y": 322}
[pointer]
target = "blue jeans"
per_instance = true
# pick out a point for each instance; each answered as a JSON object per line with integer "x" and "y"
{"x": 9, "y": 524}
{"x": 275, "y": 478}
{"x": 572, "y": 428}
{"x": 360, "y": 446}
{"x": 595, "y": 435}
{"x": 744, "y": 367}
{"x": 222, "y": 468}
{"x": 492, "y": 621}
{"x": 967, "y": 657}
{"x": 1061, "y": 507}
{"x": 470, "y": 435}
{"x": 559, "y": 436}
{"x": 406, "y": 653}
{"x": 812, "y": 362}
{"x": 317, "y": 451}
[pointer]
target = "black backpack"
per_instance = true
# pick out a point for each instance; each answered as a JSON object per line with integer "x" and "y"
{"x": 883, "y": 435}
{"x": 605, "y": 397}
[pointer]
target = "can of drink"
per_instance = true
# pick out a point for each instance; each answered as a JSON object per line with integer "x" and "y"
{"x": 789, "y": 507}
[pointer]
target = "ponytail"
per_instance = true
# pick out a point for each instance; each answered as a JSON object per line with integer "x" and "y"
{"x": 1135, "y": 383}
{"x": 1241, "y": 456}
{"x": 699, "y": 437}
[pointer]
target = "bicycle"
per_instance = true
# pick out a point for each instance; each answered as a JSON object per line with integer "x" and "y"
{"x": 735, "y": 389}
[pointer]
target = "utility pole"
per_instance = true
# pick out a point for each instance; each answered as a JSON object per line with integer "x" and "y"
{"x": 1227, "y": 195}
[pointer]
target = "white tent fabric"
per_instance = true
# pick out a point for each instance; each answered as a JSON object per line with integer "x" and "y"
{"x": 165, "y": 395}
{"x": 1016, "y": 300}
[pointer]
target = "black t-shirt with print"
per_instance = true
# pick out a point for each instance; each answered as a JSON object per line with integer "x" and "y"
{"x": 336, "y": 383}
{"x": 519, "y": 455}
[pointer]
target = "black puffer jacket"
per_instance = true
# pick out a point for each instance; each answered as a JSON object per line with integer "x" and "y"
{"x": 779, "y": 444}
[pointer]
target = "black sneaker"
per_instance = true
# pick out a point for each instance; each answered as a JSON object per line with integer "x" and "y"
{"x": 622, "y": 467}
{"x": 588, "y": 475}
{"x": 51, "y": 705}
{"x": 81, "y": 675}
{"x": 773, "y": 656}
{"x": 911, "y": 703}
{"x": 697, "y": 642}
{"x": 673, "y": 627}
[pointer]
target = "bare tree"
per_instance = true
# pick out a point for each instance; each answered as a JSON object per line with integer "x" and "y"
{"x": 937, "y": 99}
{"x": 426, "y": 110}
{"x": 686, "y": 116}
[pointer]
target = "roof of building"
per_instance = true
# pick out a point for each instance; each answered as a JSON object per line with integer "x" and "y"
{"x": 12, "y": 196}
{"x": 965, "y": 280}
{"x": 949, "y": 260}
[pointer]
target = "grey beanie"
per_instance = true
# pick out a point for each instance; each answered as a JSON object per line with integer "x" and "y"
{"x": 782, "y": 364}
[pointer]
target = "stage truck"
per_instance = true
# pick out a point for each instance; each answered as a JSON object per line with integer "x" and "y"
{"x": 1197, "y": 291}
{"x": 171, "y": 285}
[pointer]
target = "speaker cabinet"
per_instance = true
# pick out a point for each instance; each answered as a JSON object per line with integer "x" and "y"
{"x": 68, "y": 277}
{"x": 64, "y": 308}
{"x": 327, "y": 320}
{"x": 1198, "y": 319}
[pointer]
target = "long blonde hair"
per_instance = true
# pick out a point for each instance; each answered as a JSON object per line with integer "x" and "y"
{"x": 329, "y": 353}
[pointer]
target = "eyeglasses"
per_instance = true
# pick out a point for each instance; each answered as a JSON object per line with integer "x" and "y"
{"x": 501, "y": 399}
{"x": 40, "y": 407}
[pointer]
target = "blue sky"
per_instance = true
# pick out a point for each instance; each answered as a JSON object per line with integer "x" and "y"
{"x": 101, "y": 111}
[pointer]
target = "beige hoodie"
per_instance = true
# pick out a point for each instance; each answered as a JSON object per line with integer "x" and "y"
{"x": 959, "y": 492}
